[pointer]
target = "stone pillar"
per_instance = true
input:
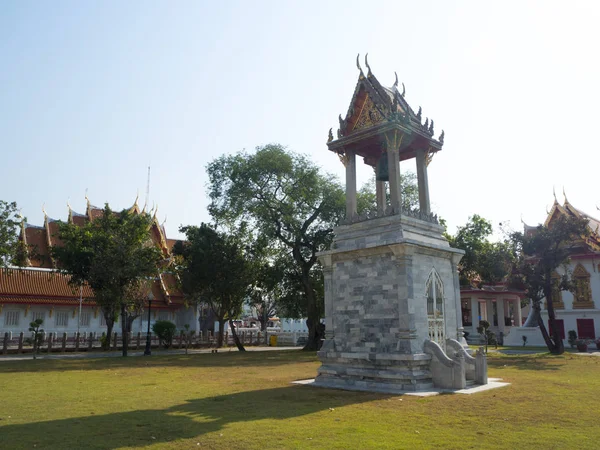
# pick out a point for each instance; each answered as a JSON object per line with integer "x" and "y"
{"x": 393, "y": 154}
{"x": 489, "y": 311}
{"x": 460, "y": 335}
{"x": 500, "y": 310}
{"x": 474, "y": 315}
{"x": 423, "y": 182}
{"x": 327, "y": 264}
{"x": 350, "y": 162}
{"x": 518, "y": 314}
{"x": 380, "y": 195}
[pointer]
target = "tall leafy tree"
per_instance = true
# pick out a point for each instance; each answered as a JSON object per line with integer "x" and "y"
{"x": 8, "y": 232}
{"x": 287, "y": 198}
{"x": 366, "y": 199}
{"x": 115, "y": 256}
{"x": 217, "y": 268}
{"x": 472, "y": 238}
{"x": 541, "y": 253}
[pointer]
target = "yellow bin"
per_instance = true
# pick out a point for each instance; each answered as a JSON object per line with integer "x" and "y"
{"x": 273, "y": 340}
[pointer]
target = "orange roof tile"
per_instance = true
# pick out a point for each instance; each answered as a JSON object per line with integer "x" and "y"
{"x": 38, "y": 246}
{"x": 38, "y": 283}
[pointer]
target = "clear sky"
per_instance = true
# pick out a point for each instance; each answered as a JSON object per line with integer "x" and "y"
{"x": 93, "y": 92}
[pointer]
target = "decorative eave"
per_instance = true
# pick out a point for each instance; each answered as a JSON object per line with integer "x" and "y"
{"x": 375, "y": 110}
{"x": 23, "y": 239}
{"x": 135, "y": 209}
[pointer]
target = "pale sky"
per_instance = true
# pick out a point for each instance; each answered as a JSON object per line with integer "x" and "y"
{"x": 93, "y": 92}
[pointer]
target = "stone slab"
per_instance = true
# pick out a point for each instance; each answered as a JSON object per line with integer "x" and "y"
{"x": 493, "y": 383}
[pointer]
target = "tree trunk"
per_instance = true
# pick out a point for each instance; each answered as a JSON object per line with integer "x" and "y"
{"x": 556, "y": 346}
{"x": 534, "y": 315}
{"x": 110, "y": 323}
{"x": 221, "y": 333}
{"x": 124, "y": 323}
{"x": 236, "y": 339}
{"x": 313, "y": 318}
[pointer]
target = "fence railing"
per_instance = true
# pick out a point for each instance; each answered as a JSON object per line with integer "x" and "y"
{"x": 81, "y": 342}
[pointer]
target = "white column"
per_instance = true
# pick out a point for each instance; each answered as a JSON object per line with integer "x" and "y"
{"x": 518, "y": 314}
{"x": 423, "y": 182}
{"x": 350, "y": 184}
{"x": 394, "y": 174}
{"x": 380, "y": 194}
{"x": 500, "y": 309}
{"x": 489, "y": 311}
{"x": 474, "y": 315}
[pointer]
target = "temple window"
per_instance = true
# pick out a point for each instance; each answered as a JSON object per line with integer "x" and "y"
{"x": 582, "y": 295}
{"x": 11, "y": 318}
{"x": 435, "y": 295}
{"x": 85, "y": 319}
{"x": 62, "y": 319}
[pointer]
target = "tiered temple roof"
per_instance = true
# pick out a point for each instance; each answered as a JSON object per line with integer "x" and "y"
{"x": 376, "y": 109}
{"x": 40, "y": 283}
{"x": 589, "y": 244}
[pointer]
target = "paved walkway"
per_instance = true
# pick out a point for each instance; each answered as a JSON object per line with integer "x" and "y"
{"x": 116, "y": 354}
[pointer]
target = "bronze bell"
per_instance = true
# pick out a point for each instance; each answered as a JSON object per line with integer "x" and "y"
{"x": 382, "y": 171}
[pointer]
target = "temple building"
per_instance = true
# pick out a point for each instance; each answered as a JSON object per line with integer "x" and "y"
{"x": 38, "y": 291}
{"x": 578, "y": 310}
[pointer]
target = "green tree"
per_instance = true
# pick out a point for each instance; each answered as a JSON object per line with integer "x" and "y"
{"x": 115, "y": 256}
{"x": 216, "y": 267}
{"x": 165, "y": 330}
{"x": 287, "y": 198}
{"x": 541, "y": 253}
{"x": 484, "y": 262}
{"x": 37, "y": 337}
{"x": 366, "y": 199}
{"x": 8, "y": 232}
{"x": 472, "y": 238}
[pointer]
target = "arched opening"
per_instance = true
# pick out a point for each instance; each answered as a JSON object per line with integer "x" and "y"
{"x": 435, "y": 308}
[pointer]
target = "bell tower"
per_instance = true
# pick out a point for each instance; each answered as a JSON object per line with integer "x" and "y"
{"x": 391, "y": 280}
{"x": 384, "y": 130}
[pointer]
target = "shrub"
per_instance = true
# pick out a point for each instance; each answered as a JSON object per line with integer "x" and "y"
{"x": 165, "y": 331}
{"x": 572, "y": 338}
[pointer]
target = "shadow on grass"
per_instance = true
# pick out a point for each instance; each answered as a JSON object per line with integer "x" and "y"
{"x": 192, "y": 419}
{"x": 539, "y": 361}
{"x": 224, "y": 359}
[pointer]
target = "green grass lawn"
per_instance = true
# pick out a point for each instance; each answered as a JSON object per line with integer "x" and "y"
{"x": 236, "y": 400}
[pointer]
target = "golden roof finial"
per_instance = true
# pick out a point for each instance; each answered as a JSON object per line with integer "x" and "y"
{"x": 554, "y": 194}
{"x": 547, "y": 212}
{"x": 565, "y": 196}
{"x": 137, "y": 197}
{"x": 367, "y": 64}
{"x": 87, "y": 200}
{"x": 164, "y": 221}
{"x": 362, "y": 75}
{"x": 155, "y": 212}
{"x": 44, "y": 211}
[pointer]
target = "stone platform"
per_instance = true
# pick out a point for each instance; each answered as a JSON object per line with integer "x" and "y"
{"x": 389, "y": 281}
{"x": 493, "y": 383}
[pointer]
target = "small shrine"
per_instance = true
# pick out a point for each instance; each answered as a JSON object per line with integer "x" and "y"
{"x": 392, "y": 301}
